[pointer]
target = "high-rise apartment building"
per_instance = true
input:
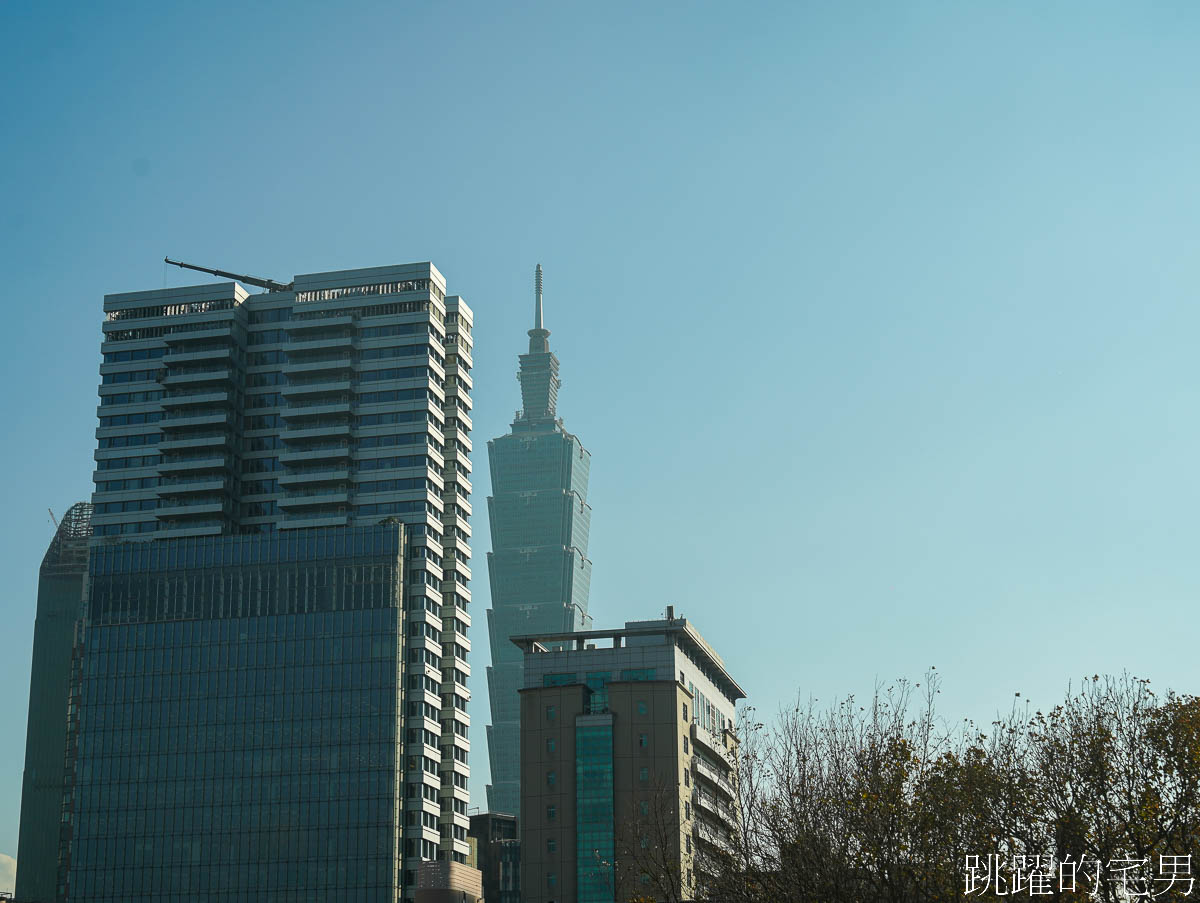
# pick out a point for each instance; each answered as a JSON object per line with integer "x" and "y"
{"x": 538, "y": 567}
{"x": 628, "y": 762}
{"x": 60, "y": 587}
{"x": 272, "y": 683}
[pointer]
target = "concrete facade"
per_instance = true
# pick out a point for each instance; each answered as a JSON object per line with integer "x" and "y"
{"x": 448, "y": 882}
{"x": 628, "y": 757}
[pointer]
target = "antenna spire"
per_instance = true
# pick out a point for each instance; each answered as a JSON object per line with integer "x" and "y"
{"x": 537, "y": 285}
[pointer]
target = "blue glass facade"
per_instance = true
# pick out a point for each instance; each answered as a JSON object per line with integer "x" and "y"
{"x": 594, "y": 821}
{"x": 538, "y": 568}
{"x": 239, "y": 720}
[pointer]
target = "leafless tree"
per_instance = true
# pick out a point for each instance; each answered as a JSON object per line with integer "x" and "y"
{"x": 884, "y": 802}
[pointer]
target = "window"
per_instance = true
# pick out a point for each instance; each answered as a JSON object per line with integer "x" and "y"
{"x": 689, "y": 849}
{"x": 551, "y": 813}
{"x": 644, "y": 807}
{"x": 643, "y": 740}
{"x": 685, "y": 743}
{"x": 551, "y": 778}
{"x": 551, "y": 880}
{"x": 645, "y": 841}
{"x": 551, "y": 845}
{"x": 687, "y": 778}
{"x": 641, "y": 707}
{"x": 549, "y": 746}
{"x": 638, "y": 674}
{"x": 551, "y": 713}
{"x": 644, "y": 775}
{"x": 685, "y": 712}
{"x": 687, "y": 812}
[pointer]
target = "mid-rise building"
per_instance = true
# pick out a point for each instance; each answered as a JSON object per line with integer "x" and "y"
{"x": 60, "y": 587}
{"x": 448, "y": 882}
{"x": 499, "y": 856}
{"x": 628, "y": 762}
{"x": 539, "y": 571}
{"x": 273, "y": 643}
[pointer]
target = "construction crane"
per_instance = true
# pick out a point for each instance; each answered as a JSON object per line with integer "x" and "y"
{"x": 53, "y": 519}
{"x": 269, "y": 284}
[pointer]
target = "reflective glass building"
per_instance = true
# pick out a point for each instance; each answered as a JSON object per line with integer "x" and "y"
{"x": 268, "y": 677}
{"x": 539, "y": 570}
{"x": 241, "y": 720}
{"x": 60, "y": 587}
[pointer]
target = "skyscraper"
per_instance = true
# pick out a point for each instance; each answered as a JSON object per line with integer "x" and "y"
{"x": 60, "y": 587}
{"x": 272, "y": 688}
{"x": 538, "y": 567}
{"x": 628, "y": 757}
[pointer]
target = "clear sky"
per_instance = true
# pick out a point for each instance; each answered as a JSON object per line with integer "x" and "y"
{"x": 879, "y": 319}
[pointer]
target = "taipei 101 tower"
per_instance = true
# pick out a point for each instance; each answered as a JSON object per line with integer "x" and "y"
{"x": 539, "y": 569}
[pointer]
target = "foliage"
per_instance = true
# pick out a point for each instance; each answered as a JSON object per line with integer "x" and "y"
{"x": 883, "y": 802}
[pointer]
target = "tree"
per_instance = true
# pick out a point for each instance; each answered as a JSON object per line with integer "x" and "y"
{"x": 648, "y": 847}
{"x": 883, "y": 802}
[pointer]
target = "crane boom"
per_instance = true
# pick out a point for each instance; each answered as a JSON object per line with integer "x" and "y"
{"x": 269, "y": 284}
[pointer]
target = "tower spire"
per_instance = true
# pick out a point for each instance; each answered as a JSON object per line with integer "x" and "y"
{"x": 539, "y": 335}
{"x": 537, "y": 285}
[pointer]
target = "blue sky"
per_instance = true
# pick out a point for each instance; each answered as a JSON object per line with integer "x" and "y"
{"x": 878, "y": 319}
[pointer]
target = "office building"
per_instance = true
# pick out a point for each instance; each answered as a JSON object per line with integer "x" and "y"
{"x": 628, "y": 762}
{"x": 499, "y": 856}
{"x": 274, "y": 648}
{"x": 538, "y": 567}
{"x": 60, "y": 587}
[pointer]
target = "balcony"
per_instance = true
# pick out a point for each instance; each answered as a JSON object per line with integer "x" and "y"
{"x": 204, "y": 332}
{"x": 314, "y": 477}
{"x": 199, "y": 507}
{"x": 315, "y": 387}
{"x": 332, "y": 365}
{"x": 714, "y": 776}
{"x": 326, "y": 451}
{"x": 313, "y": 519}
{"x": 711, "y": 835}
{"x": 312, "y": 324}
{"x": 714, "y": 808}
{"x": 310, "y": 342}
{"x": 187, "y": 419}
{"x": 711, "y": 742}
{"x": 195, "y": 463}
{"x": 305, "y": 410}
{"x": 174, "y": 486}
{"x": 187, "y": 399}
{"x": 313, "y": 498}
{"x": 187, "y": 442}
{"x": 305, "y": 431}
{"x": 181, "y": 355}
{"x": 195, "y": 377}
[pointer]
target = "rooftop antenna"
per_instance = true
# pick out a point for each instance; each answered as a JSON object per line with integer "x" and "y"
{"x": 537, "y": 285}
{"x": 269, "y": 284}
